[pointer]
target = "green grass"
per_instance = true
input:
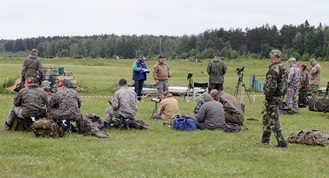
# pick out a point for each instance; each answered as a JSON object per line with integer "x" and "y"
{"x": 161, "y": 152}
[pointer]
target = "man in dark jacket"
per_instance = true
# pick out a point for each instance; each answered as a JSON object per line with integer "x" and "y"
{"x": 30, "y": 101}
{"x": 211, "y": 114}
{"x": 32, "y": 66}
{"x": 139, "y": 75}
{"x": 216, "y": 70}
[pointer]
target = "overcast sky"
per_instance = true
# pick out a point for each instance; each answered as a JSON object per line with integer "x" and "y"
{"x": 34, "y": 18}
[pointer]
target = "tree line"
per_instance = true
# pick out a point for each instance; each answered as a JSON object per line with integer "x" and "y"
{"x": 300, "y": 41}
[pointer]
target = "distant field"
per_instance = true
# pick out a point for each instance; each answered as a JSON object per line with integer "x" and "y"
{"x": 161, "y": 152}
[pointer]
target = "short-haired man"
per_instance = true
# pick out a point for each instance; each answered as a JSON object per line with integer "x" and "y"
{"x": 274, "y": 89}
{"x": 211, "y": 114}
{"x": 161, "y": 74}
{"x": 216, "y": 70}
{"x": 65, "y": 105}
{"x": 315, "y": 77}
{"x": 232, "y": 107}
{"x": 168, "y": 107}
{"x": 30, "y": 101}
{"x": 293, "y": 82}
{"x": 123, "y": 104}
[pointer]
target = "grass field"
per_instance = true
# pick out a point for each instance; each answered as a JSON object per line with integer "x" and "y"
{"x": 161, "y": 152}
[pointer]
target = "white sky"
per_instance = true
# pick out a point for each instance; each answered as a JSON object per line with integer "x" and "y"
{"x": 33, "y": 18}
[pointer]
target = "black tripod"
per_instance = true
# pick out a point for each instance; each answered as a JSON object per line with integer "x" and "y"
{"x": 190, "y": 88}
{"x": 243, "y": 88}
{"x": 155, "y": 110}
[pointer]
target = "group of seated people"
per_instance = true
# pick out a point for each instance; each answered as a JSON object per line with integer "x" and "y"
{"x": 33, "y": 102}
{"x": 216, "y": 110}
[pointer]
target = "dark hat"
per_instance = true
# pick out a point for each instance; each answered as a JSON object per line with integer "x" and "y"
{"x": 216, "y": 54}
{"x": 48, "y": 89}
{"x": 122, "y": 81}
{"x": 142, "y": 56}
{"x": 65, "y": 82}
{"x": 161, "y": 56}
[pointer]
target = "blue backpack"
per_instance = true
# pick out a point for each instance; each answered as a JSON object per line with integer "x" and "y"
{"x": 184, "y": 123}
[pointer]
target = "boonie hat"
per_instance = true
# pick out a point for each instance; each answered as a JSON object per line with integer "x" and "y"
{"x": 292, "y": 60}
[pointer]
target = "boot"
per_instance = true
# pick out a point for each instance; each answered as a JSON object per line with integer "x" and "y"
{"x": 282, "y": 144}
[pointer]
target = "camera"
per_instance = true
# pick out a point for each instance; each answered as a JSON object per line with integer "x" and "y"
{"x": 156, "y": 100}
{"x": 239, "y": 70}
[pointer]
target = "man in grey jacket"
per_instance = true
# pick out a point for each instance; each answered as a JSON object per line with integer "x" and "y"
{"x": 211, "y": 114}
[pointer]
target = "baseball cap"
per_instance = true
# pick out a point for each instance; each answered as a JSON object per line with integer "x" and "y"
{"x": 34, "y": 50}
{"x": 48, "y": 89}
{"x": 292, "y": 60}
{"x": 142, "y": 56}
{"x": 276, "y": 53}
{"x": 161, "y": 56}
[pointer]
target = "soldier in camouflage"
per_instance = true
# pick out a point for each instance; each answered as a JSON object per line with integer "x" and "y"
{"x": 30, "y": 101}
{"x": 65, "y": 105}
{"x": 274, "y": 90}
{"x": 293, "y": 83}
{"x": 315, "y": 77}
{"x": 216, "y": 70}
{"x": 303, "y": 87}
{"x": 124, "y": 103}
{"x": 161, "y": 75}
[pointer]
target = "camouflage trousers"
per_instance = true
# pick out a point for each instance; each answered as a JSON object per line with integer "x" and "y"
{"x": 302, "y": 97}
{"x": 291, "y": 98}
{"x": 14, "y": 111}
{"x": 271, "y": 123}
{"x": 314, "y": 91}
{"x": 162, "y": 87}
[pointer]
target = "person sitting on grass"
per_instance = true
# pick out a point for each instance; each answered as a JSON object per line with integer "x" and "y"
{"x": 168, "y": 107}
{"x": 211, "y": 114}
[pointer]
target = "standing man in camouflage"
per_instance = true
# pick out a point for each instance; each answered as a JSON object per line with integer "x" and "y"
{"x": 124, "y": 103}
{"x": 161, "y": 74}
{"x": 274, "y": 90}
{"x": 304, "y": 86}
{"x": 30, "y": 101}
{"x": 216, "y": 70}
{"x": 315, "y": 77}
{"x": 32, "y": 66}
{"x": 65, "y": 105}
{"x": 293, "y": 83}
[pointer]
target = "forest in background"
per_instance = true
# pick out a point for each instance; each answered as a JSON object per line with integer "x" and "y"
{"x": 300, "y": 41}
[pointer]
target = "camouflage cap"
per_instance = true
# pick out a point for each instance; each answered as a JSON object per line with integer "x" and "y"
{"x": 292, "y": 60}
{"x": 276, "y": 53}
{"x": 312, "y": 60}
{"x": 34, "y": 51}
{"x": 65, "y": 82}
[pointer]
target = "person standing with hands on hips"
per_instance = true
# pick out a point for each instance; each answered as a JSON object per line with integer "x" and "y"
{"x": 161, "y": 74}
{"x": 139, "y": 75}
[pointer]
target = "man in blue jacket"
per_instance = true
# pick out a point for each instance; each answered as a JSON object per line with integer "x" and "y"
{"x": 139, "y": 75}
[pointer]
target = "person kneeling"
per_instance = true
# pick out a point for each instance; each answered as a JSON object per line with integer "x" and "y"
{"x": 211, "y": 114}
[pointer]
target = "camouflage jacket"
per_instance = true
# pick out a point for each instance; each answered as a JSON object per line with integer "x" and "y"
{"x": 315, "y": 75}
{"x": 275, "y": 85}
{"x": 31, "y": 66}
{"x": 304, "y": 80}
{"x": 216, "y": 70}
{"x": 124, "y": 102}
{"x": 293, "y": 80}
{"x": 33, "y": 100}
{"x": 161, "y": 71}
{"x": 65, "y": 104}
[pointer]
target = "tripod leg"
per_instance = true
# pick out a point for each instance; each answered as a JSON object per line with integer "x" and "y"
{"x": 244, "y": 86}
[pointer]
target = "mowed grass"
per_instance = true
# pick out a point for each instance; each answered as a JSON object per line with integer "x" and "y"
{"x": 160, "y": 152}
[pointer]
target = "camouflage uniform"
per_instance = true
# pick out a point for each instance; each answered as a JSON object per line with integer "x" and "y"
{"x": 161, "y": 73}
{"x": 274, "y": 91}
{"x": 216, "y": 70}
{"x": 315, "y": 77}
{"x": 303, "y": 87}
{"x": 293, "y": 83}
{"x": 29, "y": 102}
{"x": 124, "y": 104}
{"x": 65, "y": 105}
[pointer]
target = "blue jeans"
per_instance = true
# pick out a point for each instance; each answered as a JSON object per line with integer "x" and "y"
{"x": 139, "y": 88}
